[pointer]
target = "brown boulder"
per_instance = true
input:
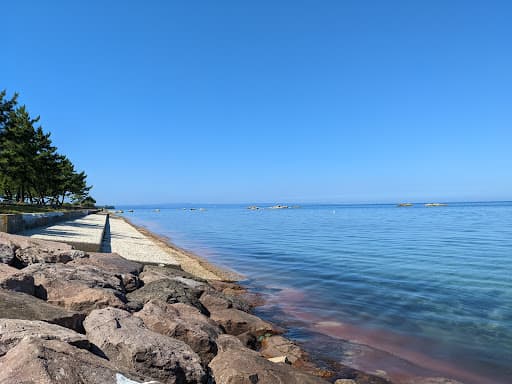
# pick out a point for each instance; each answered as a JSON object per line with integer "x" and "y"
{"x": 28, "y": 251}
{"x": 227, "y": 287}
{"x": 12, "y": 331}
{"x": 276, "y": 346}
{"x": 236, "y": 364}
{"x": 236, "y": 323}
{"x": 55, "y": 362}
{"x": 15, "y": 280}
{"x": 214, "y": 301}
{"x": 15, "y": 305}
{"x": 77, "y": 287}
{"x": 185, "y": 323}
{"x": 128, "y": 344}
{"x": 126, "y": 270}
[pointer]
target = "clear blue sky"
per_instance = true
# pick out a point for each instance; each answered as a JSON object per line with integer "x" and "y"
{"x": 240, "y": 101}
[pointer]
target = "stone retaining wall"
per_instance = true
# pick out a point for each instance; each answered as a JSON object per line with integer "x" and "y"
{"x": 19, "y": 222}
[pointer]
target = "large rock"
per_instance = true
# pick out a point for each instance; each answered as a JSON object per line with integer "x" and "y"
{"x": 14, "y": 305}
{"x": 157, "y": 272}
{"x": 128, "y": 344}
{"x": 238, "y": 294}
{"x": 169, "y": 291}
{"x": 12, "y": 331}
{"x": 55, "y": 362}
{"x": 236, "y": 322}
{"x": 236, "y": 364}
{"x": 28, "y": 251}
{"x": 185, "y": 323}
{"x": 214, "y": 301}
{"x": 128, "y": 271}
{"x": 14, "y": 280}
{"x": 276, "y": 346}
{"x": 77, "y": 287}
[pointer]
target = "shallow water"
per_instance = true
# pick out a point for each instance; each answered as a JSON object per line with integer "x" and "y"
{"x": 430, "y": 285}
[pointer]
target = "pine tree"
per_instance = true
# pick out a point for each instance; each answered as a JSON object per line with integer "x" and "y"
{"x": 31, "y": 169}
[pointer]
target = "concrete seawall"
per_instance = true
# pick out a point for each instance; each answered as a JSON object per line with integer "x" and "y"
{"x": 85, "y": 233}
{"x": 15, "y": 223}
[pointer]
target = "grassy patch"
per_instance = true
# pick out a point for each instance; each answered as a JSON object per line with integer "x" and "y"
{"x": 13, "y": 208}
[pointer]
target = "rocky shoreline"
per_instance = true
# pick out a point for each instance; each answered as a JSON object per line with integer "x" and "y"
{"x": 67, "y": 316}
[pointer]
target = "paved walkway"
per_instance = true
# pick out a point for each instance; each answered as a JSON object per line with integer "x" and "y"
{"x": 94, "y": 233}
{"x": 124, "y": 239}
{"x": 85, "y": 233}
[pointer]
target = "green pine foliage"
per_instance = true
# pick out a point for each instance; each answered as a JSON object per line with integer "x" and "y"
{"x": 31, "y": 169}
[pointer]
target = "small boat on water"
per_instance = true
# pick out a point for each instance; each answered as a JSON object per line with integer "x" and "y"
{"x": 253, "y": 208}
{"x": 404, "y": 205}
{"x": 428, "y": 205}
{"x": 130, "y": 210}
{"x": 278, "y": 206}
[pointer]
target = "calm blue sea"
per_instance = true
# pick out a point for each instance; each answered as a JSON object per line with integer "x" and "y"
{"x": 421, "y": 290}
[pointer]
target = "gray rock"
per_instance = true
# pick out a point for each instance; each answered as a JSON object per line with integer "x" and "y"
{"x": 55, "y": 362}
{"x": 236, "y": 364}
{"x": 169, "y": 291}
{"x": 7, "y": 252}
{"x": 185, "y": 323}
{"x": 15, "y": 280}
{"x": 12, "y": 331}
{"x": 129, "y": 345}
{"x": 15, "y": 305}
{"x": 126, "y": 270}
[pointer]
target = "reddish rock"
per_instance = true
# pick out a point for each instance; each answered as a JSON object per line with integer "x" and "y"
{"x": 229, "y": 287}
{"x": 55, "y": 362}
{"x": 12, "y": 331}
{"x": 15, "y": 305}
{"x": 129, "y": 345}
{"x": 214, "y": 301}
{"x": 276, "y": 346}
{"x": 182, "y": 322}
{"x": 236, "y": 364}
{"x": 236, "y": 322}
{"x": 28, "y": 251}
{"x": 77, "y": 287}
{"x": 15, "y": 280}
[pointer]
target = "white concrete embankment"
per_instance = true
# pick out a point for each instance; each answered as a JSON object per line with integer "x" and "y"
{"x": 85, "y": 233}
